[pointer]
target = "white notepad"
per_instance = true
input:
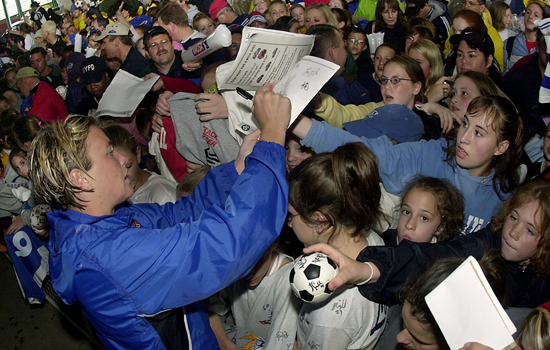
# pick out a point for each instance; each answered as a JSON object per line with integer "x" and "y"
{"x": 467, "y": 310}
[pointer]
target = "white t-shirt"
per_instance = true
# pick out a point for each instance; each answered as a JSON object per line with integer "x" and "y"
{"x": 158, "y": 189}
{"x": 347, "y": 320}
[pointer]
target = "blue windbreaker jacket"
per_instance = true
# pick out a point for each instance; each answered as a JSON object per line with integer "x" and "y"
{"x": 146, "y": 259}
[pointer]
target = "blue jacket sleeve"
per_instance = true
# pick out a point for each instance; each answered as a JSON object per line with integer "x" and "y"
{"x": 407, "y": 260}
{"x": 157, "y": 269}
{"x": 397, "y": 164}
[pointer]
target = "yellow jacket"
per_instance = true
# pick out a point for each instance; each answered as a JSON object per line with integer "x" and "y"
{"x": 336, "y": 114}
{"x": 497, "y": 41}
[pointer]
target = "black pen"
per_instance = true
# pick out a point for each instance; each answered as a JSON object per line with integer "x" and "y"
{"x": 245, "y": 94}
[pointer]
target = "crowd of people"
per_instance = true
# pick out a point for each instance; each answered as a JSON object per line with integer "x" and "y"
{"x": 171, "y": 230}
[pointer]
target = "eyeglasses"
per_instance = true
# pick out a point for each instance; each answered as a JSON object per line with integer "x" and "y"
{"x": 163, "y": 42}
{"x": 356, "y": 41}
{"x": 470, "y": 3}
{"x": 393, "y": 80}
{"x": 289, "y": 217}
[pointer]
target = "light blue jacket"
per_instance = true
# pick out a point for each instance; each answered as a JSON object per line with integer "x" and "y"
{"x": 146, "y": 259}
{"x": 399, "y": 164}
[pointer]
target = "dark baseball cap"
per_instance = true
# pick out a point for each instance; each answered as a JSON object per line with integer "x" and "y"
{"x": 414, "y": 7}
{"x": 476, "y": 39}
{"x": 92, "y": 70}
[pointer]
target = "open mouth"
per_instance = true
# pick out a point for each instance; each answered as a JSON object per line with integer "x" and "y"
{"x": 461, "y": 153}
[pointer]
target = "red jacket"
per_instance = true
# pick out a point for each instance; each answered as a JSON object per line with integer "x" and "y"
{"x": 47, "y": 104}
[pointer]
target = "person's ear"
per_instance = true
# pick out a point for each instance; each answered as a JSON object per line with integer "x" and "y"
{"x": 439, "y": 230}
{"x": 79, "y": 179}
{"x": 138, "y": 153}
{"x": 490, "y": 61}
{"x": 322, "y": 222}
{"x": 330, "y": 56}
{"x": 417, "y": 87}
{"x": 502, "y": 148}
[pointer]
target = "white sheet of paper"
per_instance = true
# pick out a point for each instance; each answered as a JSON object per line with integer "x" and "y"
{"x": 300, "y": 85}
{"x": 265, "y": 56}
{"x": 123, "y": 95}
{"x": 467, "y": 310}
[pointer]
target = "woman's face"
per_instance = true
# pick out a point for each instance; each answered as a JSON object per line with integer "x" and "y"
{"x": 521, "y": 233}
{"x": 463, "y": 92}
{"x": 477, "y": 145}
{"x": 468, "y": 59}
{"x": 532, "y": 13}
{"x": 424, "y": 63}
{"x": 390, "y": 16}
{"x": 313, "y": 17}
{"x": 383, "y": 54}
{"x": 298, "y": 14}
{"x": 459, "y": 24}
{"x": 205, "y": 26}
{"x": 402, "y": 93}
{"x": 507, "y": 19}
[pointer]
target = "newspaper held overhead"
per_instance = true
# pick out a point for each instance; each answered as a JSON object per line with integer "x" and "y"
{"x": 123, "y": 95}
{"x": 278, "y": 58}
{"x": 467, "y": 310}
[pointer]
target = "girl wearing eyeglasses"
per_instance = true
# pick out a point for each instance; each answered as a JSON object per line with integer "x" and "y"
{"x": 402, "y": 82}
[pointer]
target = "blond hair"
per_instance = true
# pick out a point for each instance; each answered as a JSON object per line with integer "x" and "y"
{"x": 55, "y": 152}
{"x": 49, "y": 26}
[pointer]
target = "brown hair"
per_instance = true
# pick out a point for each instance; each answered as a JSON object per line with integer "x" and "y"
{"x": 171, "y": 12}
{"x": 504, "y": 118}
{"x": 342, "y": 185}
{"x": 449, "y": 204}
{"x": 414, "y": 71}
{"x": 188, "y": 184}
{"x": 380, "y": 7}
{"x": 473, "y": 19}
{"x": 536, "y": 191}
{"x": 498, "y": 11}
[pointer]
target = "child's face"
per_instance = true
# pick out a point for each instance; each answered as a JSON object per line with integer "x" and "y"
{"x": 463, "y": 92}
{"x": 277, "y": 11}
{"x": 20, "y": 166}
{"x": 477, "y": 145}
{"x": 356, "y": 43}
{"x": 255, "y": 277}
{"x": 415, "y": 334}
{"x": 132, "y": 166}
{"x": 93, "y": 44}
{"x": 205, "y": 26}
{"x": 547, "y": 145}
{"x": 294, "y": 154}
{"x": 424, "y": 63}
{"x": 298, "y": 14}
{"x": 419, "y": 219}
{"x": 4, "y": 105}
{"x": 261, "y": 5}
{"x": 335, "y": 4}
{"x": 382, "y": 56}
{"x": 521, "y": 233}
{"x": 404, "y": 92}
{"x": 305, "y": 233}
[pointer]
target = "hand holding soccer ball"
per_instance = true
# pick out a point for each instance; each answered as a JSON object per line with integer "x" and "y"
{"x": 310, "y": 277}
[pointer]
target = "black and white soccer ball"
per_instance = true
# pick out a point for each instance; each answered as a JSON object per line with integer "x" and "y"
{"x": 39, "y": 219}
{"x": 79, "y": 3}
{"x": 310, "y": 276}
